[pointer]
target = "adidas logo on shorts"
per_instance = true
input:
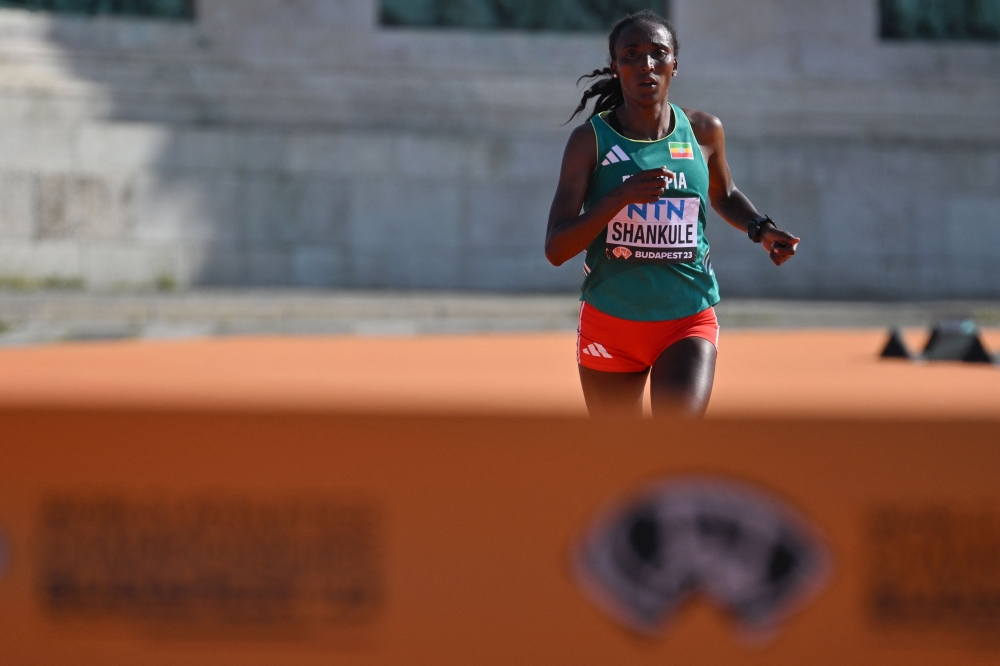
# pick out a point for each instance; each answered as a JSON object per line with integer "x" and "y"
{"x": 595, "y": 349}
{"x": 614, "y": 156}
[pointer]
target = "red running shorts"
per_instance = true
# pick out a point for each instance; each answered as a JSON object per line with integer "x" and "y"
{"x": 621, "y": 345}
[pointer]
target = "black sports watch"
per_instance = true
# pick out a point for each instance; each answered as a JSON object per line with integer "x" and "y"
{"x": 756, "y": 227}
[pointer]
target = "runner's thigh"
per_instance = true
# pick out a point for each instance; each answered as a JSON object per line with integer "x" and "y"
{"x": 613, "y": 393}
{"x": 682, "y": 377}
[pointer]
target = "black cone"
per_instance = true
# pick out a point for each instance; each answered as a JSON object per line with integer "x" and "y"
{"x": 956, "y": 341}
{"x": 895, "y": 347}
{"x": 977, "y": 352}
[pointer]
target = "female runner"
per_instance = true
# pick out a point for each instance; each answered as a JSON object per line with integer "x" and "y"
{"x": 642, "y": 170}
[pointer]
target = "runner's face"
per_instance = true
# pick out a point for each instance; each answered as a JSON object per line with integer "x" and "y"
{"x": 645, "y": 62}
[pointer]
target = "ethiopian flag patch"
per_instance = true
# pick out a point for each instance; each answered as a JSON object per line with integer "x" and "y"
{"x": 681, "y": 151}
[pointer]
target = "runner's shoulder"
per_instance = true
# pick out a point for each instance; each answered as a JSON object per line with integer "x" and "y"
{"x": 707, "y": 128}
{"x": 582, "y": 144}
{"x": 584, "y": 133}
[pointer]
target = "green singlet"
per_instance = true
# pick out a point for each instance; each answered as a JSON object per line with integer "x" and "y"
{"x": 651, "y": 263}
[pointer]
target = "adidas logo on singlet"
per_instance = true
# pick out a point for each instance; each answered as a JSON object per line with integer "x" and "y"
{"x": 614, "y": 156}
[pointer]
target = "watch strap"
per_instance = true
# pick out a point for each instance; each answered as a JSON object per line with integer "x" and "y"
{"x": 755, "y": 229}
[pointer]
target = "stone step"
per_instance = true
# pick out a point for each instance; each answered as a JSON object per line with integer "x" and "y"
{"x": 28, "y": 318}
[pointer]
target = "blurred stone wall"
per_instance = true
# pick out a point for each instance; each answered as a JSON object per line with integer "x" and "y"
{"x": 295, "y": 142}
{"x": 883, "y": 156}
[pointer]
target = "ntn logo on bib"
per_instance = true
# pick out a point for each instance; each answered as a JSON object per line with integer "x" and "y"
{"x": 662, "y": 232}
{"x": 681, "y": 151}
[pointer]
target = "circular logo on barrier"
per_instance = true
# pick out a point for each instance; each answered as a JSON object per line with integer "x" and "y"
{"x": 745, "y": 550}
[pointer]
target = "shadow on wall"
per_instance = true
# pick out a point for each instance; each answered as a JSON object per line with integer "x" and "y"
{"x": 282, "y": 143}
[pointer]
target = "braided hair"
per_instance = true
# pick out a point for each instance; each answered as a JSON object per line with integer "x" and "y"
{"x": 608, "y": 89}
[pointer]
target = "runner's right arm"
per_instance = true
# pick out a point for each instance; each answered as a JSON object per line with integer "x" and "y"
{"x": 570, "y": 231}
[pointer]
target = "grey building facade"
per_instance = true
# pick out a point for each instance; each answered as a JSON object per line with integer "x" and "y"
{"x": 281, "y": 142}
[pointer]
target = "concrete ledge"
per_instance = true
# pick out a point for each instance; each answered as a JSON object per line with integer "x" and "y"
{"x": 41, "y": 317}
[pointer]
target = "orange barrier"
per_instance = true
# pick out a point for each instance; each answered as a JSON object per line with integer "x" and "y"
{"x": 145, "y": 538}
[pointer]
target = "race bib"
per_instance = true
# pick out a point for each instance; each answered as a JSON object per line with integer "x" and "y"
{"x": 665, "y": 232}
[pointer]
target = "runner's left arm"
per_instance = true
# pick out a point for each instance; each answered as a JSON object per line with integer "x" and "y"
{"x": 732, "y": 205}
